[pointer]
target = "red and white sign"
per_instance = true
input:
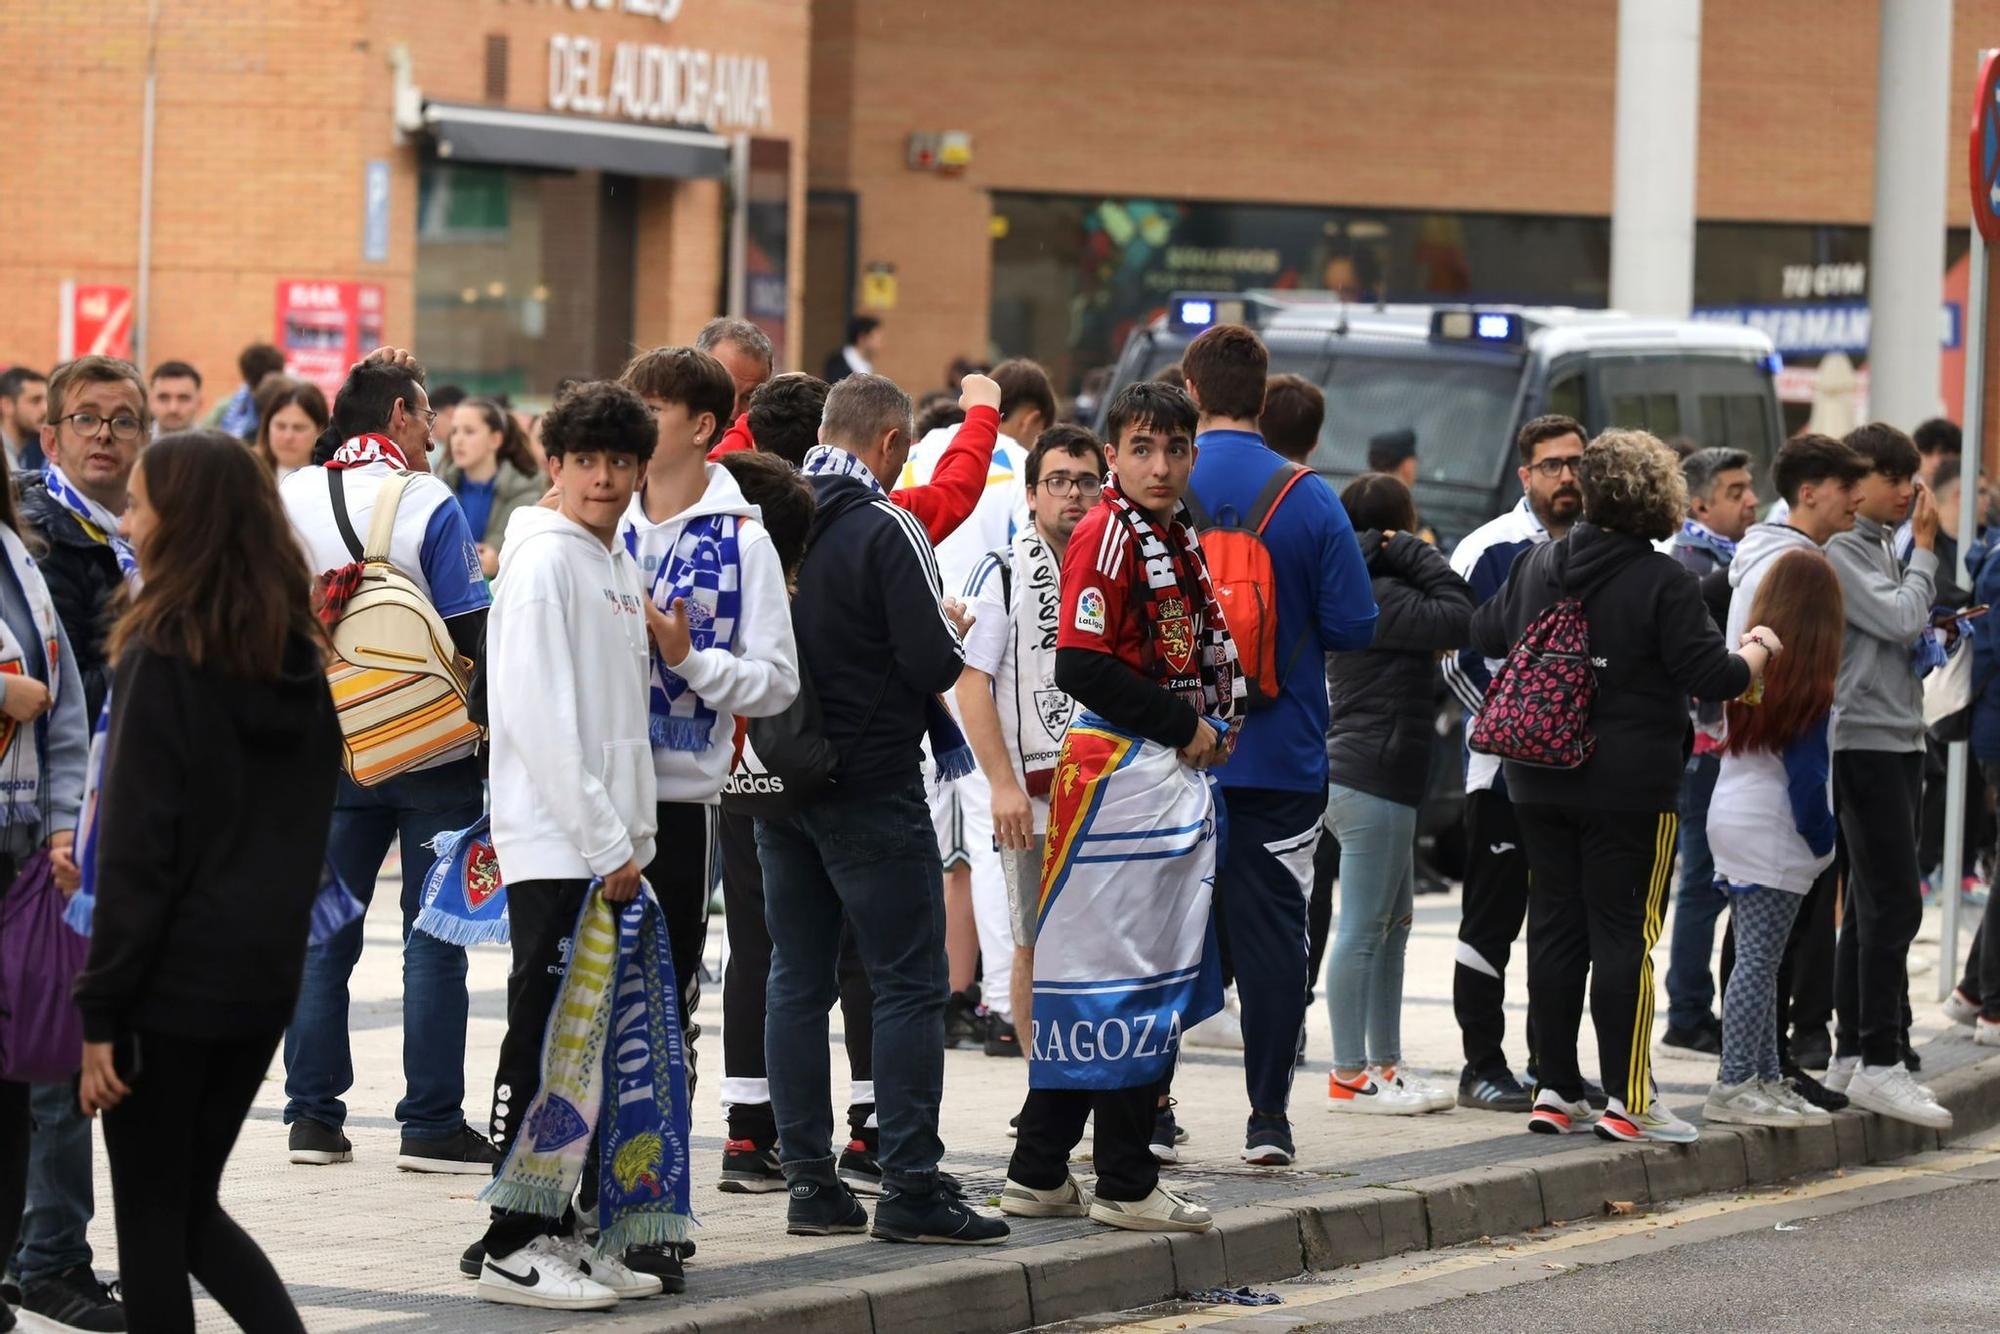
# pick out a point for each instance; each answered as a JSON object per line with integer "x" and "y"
{"x": 95, "y": 320}
{"x": 324, "y": 326}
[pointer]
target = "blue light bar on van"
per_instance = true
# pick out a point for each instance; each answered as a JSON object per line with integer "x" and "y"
{"x": 1479, "y": 326}
{"x": 1191, "y": 312}
{"x": 1195, "y": 313}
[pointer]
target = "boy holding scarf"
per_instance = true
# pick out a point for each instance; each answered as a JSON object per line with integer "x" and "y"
{"x": 1015, "y": 714}
{"x": 1124, "y": 954}
{"x": 573, "y": 827}
{"x": 721, "y": 627}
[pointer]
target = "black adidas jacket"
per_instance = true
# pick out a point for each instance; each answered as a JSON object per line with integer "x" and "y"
{"x": 1653, "y": 645}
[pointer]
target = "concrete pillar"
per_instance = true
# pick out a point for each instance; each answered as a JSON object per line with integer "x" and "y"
{"x": 1906, "y": 246}
{"x": 1652, "y": 178}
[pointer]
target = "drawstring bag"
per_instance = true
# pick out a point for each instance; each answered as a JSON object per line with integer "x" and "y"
{"x": 41, "y": 1030}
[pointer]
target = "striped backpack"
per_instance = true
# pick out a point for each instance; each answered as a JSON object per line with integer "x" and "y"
{"x": 401, "y": 690}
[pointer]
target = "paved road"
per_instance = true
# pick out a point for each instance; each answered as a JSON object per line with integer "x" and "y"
{"x": 1897, "y": 1247}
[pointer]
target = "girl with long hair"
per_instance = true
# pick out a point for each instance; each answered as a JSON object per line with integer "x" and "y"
{"x": 290, "y": 416}
{"x": 492, "y": 472}
{"x": 215, "y": 802}
{"x": 1771, "y": 830}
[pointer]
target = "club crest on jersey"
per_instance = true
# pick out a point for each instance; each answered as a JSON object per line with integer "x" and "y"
{"x": 1176, "y": 632}
{"x": 1053, "y": 706}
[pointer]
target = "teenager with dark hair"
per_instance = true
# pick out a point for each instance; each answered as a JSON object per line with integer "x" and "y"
{"x": 784, "y": 416}
{"x": 1771, "y": 832}
{"x": 1274, "y": 788}
{"x": 218, "y": 783}
{"x": 1878, "y": 776}
{"x": 1294, "y": 410}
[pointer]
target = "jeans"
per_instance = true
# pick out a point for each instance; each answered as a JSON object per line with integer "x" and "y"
{"x": 319, "y": 1067}
{"x": 870, "y": 855}
{"x": 1763, "y": 919}
{"x": 60, "y": 1199}
{"x": 1378, "y": 886}
{"x": 1697, "y": 905}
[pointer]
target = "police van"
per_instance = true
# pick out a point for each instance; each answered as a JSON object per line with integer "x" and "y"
{"x": 1464, "y": 378}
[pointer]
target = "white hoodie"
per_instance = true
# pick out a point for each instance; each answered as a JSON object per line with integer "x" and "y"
{"x": 566, "y": 674}
{"x": 756, "y": 677}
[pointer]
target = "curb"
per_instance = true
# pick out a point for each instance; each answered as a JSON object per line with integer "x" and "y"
{"x": 1001, "y": 1290}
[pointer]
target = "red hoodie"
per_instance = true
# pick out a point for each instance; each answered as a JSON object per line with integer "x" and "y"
{"x": 956, "y": 484}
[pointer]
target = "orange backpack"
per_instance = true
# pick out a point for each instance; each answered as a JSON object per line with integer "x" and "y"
{"x": 1239, "y": 565}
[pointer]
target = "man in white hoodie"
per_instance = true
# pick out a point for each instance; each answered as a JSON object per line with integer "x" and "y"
{"x": 724, "y": 630}
{"x": 574, "y": 794}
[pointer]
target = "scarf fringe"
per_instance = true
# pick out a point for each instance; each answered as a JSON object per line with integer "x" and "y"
{"x": 445, "y": 846}
{"x": 520, "y": 1197}
{"x": 453, "y": 930}
{"x": 955, "y": 764}
{"x": 643, "y": 1230}
{"x": 686, "y": 734}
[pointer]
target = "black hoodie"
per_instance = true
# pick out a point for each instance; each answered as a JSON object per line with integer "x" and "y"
{"x": 214, "y": 809}
{"x": 870, "y": 630}
{"x": 1653, "y": 645}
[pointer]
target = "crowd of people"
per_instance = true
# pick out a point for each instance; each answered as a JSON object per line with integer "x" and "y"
{"x": 994, "y": 732}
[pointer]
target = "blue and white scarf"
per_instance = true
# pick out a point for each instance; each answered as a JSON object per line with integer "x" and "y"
{"x": 465, "y": 901}
{"x": 1695, "y": 533}
{"x": 99, "y": 523}
{"x": 703, "y": 572}
{"x": 830, "y": 459}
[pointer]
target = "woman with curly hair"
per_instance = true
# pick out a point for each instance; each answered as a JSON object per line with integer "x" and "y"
{"x": 1600, "y": 837}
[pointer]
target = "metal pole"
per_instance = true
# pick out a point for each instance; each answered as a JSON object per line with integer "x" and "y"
{"x": 142, "y": 302}
{"x": 1973, "y": 421}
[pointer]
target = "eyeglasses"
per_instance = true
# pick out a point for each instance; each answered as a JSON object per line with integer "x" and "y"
{"x": 1058, "y": 485}
{"x": 123, "y": 427}
{"x": 430, "y": 418}
{"x": 1554, "y": 468}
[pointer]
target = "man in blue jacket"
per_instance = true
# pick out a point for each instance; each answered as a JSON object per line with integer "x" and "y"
{"x": 1274, "y": 788}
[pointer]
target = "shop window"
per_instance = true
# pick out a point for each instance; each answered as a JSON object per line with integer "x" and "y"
{"x": 462, "y": 203}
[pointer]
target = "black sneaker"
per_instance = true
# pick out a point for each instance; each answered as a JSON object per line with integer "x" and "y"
{"x": 860, "y": 1168}
{"x": 10, "y": 1291}
{"x": 1167, "y": 1134}
{"x": 1595, "y": 1097}
{"x": 1812, "y": 1050}
{"x": 748, "y": 1169}
{"x": 474, "y": 1259}
{"x": 823, "y": 1209}
{"x": 1814, "y": 1092}
{"x": 74, "y": 1299}
{"x": 961, "y": 1021}
{"x": 1268, "y": 1141}
{"x": 1701, "y": 1040}
{"x": 1014, "y": 1126}
{"x": 1001, "y": 1039}
{"x": 937, "y": 1217}
{"x": 6, "y": 1317}
{"x": 1497, "y": 1092}
{"x": 1911, "y": 1061}
{"x": 316, "y": 1144}
{"x": 666, "y": 1263}
{"x": 466, "y": 1153}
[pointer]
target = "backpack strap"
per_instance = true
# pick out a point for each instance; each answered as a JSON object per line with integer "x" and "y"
{"x": 1274, "y": 492}
{"x": 1004, "y": 557}
{"x": 338, "y": 492}
{"x": 382, "y": 526}
{"x": 1203, "y": 520}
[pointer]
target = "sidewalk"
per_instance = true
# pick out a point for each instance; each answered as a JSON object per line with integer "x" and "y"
{"x": 365, "y": 1247}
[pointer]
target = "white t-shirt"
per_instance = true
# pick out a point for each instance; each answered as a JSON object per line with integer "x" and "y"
{"x": 431, "y": 542}
{"x": 1001, "y": 512}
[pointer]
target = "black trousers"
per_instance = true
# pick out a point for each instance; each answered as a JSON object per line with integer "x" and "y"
{"x": 1495, "y": 905}
{"x": 16, "y": 1129}
{"x": 682, "y": 875}
{"x": 1981, "y": 981}
{"x": 167, "y": 1143}
{"x": 1876, "y": 794}
{"x": 542, "y": 917}
{"x": 1597, "y": 901}
{"x": 1052, "y": 1126}
{"x": 1319, "y": 908}
{"x": 746, "y": 1087}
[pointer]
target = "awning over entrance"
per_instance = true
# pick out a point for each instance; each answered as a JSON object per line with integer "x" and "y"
{"x": 530, "y": 139}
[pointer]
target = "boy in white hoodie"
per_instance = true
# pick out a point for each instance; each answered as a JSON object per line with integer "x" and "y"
{"x": 573, "y": 785}
{"x": 722, "y": 632}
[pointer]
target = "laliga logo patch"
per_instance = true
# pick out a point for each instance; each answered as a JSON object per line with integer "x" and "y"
{"x": 1090, "y": 611}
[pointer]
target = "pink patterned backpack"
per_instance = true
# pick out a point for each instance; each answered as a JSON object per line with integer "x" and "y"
{"x": 1537, "y": 708}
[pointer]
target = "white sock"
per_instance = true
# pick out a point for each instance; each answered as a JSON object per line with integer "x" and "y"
{"x": 1878, "y": 1070}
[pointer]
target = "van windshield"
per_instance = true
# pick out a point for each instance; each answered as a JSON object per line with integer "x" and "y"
{"x": 1462, "y": 413}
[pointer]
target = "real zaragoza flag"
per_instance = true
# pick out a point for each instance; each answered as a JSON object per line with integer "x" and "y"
{"x": 1125, "y": 957}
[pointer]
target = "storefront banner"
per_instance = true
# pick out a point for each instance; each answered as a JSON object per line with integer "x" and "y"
{"x": 325, "y": 326}
{"x": 1816, "y": 328}
{"x": 94, "y": 319}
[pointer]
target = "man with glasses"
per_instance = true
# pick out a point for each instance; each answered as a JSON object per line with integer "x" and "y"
{"x": 382, "y": 423}
{"x": 1496, "y": 870}
{"x": 1015, "y": 717}
{"x": 97, "y": 421}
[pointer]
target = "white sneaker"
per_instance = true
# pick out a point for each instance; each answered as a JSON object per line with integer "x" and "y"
{"x": 609, "y": 1270}
{"x": 1222, "y": 1031}
{"x": 1889, "y": 1090}
{"x": 1371, "y": 1095}
{"x": 1552, "y": 1114}
{"x": 540, "y": 1274}
{"x": 1657, "y": 1122}
{"x": 1435, "y": 1098}
{"x": 1162, "y": 1211}
{"x": 1781, "y": 1092}
{"x": 1960, "y": 1008}
{"x": 1986, "y": 1032}
{"x": 1068, "y": 1200}
{"x": 1839, "y": 1071}
{"x": 1746, "y": 1104}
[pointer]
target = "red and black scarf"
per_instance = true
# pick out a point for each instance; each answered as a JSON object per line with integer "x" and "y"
{"x": 1186, "y": 636}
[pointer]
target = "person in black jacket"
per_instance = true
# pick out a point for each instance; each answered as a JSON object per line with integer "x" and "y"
{"x": 1379, "y": 760}
{"x": 877, "y": 643}
{"x": 1600, "y": 837}
{"x": 217, "y": 795}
